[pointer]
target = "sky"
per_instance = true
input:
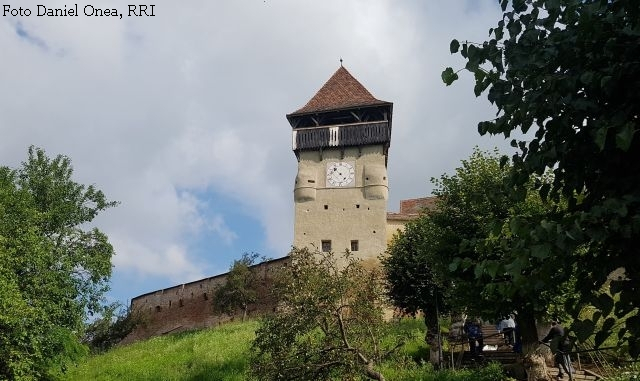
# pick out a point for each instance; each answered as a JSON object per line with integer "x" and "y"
{"x": 180, "y": 116}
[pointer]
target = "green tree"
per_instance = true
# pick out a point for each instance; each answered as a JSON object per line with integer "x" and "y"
{"x": 240, "y": 289}
{"x": 114, "y": 324}
{"x": 568, "y": 70}
{"x": 464, "y": 248}
{"x": 328, "y": 322}
{"x": 52, "y": 271}
{"x": 414, "y": 285}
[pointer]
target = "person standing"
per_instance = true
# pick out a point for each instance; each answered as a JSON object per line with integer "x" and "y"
{"x": 507, "y": 327}
{"x": 473, "y": 329}
{"x": 560, "y": 347}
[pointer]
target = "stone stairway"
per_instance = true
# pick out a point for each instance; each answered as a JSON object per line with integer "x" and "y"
{"x": 496, "y": 350}
{"x": 579, "y": 375}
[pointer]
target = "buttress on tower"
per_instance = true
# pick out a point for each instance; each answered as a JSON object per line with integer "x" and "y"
{"x": 341, "y": 140}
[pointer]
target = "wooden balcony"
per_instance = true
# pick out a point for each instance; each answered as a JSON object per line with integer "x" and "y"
{"x": 349, "y": 135}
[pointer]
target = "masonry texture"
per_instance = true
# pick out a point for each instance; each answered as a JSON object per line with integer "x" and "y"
{"x": 190, "y": 306}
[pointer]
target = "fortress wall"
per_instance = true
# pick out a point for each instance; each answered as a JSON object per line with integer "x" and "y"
{"x": 190, "y": 306}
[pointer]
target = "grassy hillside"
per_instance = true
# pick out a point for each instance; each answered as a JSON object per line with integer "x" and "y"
{"x": 213, "y": 354}
{"x": 221, "y": 354}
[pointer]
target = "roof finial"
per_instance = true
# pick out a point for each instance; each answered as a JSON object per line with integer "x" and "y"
{"x": 340, "y": 61}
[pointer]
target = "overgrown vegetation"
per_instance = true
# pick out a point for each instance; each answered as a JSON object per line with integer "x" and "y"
{"x": 115, "y": 323}
{"x": 627, "y": 373}
{"x": 463, "y": 253}
{"x": 567, "y": 71}
{"x": 222, "y": 354}
{"x": 240, "y": 289}
{"x": 54, "y": 269}
{"x": 214, "y": 354}
{"x": 328, "y": 321}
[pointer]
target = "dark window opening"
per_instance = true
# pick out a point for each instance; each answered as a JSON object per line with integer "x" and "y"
{"x": 158, "y": 308}
{"x": 357, "y": 206}
{"x": 326, "y": 245}
{"x": 326, "y": 207}
{"x": 205, "y": 296}
{"x": 180, "y": 303}
{"x": 354, "y": 245}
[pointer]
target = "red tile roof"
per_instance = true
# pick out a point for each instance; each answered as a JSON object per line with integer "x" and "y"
{"x": 341, "y": 91}
{"x": 416, "y": 205}
{"x": 411, "y": 209}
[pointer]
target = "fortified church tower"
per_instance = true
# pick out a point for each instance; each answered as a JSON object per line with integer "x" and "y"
{"x": 341, "y": 139}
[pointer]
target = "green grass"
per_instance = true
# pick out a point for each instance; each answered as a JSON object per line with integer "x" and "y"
{"x": 212, "y": 354}
{"x": 222, "y": 354}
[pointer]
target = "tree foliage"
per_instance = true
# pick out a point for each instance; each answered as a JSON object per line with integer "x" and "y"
{"x": 52, "y": 271}
{"x": 414, "y": 283}
{"x": 465, "y": 249}
{"x": 328, "y": 323}
{"x": 568, "y": 72}
{"x": 240, "y": 289}
{"x": 114, "y": 324}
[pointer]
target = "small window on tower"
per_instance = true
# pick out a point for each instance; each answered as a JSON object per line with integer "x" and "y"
{"x": 326, "y": 245}
{"x": 354, "y": 245}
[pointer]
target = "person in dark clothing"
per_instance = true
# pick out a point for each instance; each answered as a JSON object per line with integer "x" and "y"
{"x": 560, "y": 346}
{"x": 517, "y": 337}
{"x": 473, "y": 330}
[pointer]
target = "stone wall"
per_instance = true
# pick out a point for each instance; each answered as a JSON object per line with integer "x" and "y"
{"x": 189, "y": 306}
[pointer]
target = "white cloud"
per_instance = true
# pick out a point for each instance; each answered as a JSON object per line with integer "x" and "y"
{"x": 159, "y": 111}
{"x": 171, "y": 262}
{"x": 218, "y": 226}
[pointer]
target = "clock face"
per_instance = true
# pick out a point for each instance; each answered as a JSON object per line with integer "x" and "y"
{"x": 340, "y": 174}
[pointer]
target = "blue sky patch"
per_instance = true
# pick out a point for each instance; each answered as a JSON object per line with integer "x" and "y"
{"x": 26, "y": 36}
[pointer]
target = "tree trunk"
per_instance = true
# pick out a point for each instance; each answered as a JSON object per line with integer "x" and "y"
{"x": 432, "y": 339}
{"x": 372, "y": 373}
{"x": 431, "y": 322}
{"x": 528, "y": 328}
{"x": 368, "y": 365}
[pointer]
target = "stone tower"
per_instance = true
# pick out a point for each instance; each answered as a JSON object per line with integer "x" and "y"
{"x": 341, "y": 140}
